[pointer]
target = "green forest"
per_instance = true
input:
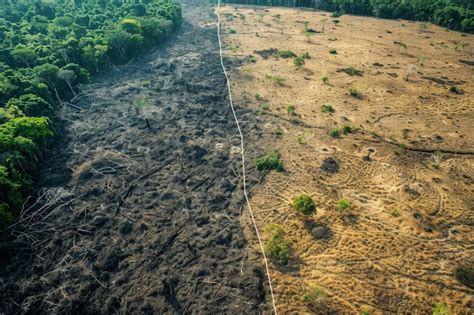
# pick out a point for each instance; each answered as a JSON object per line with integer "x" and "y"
{"x": 453, "y": 14}
{"x": 48, "y": 49}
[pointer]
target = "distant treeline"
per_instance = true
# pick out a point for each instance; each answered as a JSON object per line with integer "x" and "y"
{"x": 49, "y": 48}
{"x": 453, "y": 14}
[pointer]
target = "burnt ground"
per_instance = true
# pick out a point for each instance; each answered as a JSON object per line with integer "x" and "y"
{"x": 139, "y": 208}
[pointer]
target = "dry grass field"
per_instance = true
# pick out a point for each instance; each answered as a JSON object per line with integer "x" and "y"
{"x": 374, "y": 123}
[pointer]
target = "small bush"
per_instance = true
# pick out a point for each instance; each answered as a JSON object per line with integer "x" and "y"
{"x": 278, "y": 247}
{"x": 336, "y": 14}
{"x": 314, "y": 294}
{"x": 286, "y": 54}
{"x": 327, "y": 109}
{"x": 271, "y": 161}
{"x": 298, "y": 61}
{"x": 441, "y": 309}
{"x": 291, "y": 110}
{"x": 278, "y": 133}
{"x": 454, "y": 89}
{"x": 266, "y": 106}
{"x": 335, "y": 133}
{"x": 304, "y": 204}
{"x": 343, "y": 204}
{"x": 336, "y": 21}
{"x": 258, "y": 97}
{"x": 325, "y": 80}
{"x": 232, "y": 31}
{"x": 355, "y": 93}
{"x": 333, "y": 51}
{"x": 347, "y": 129}
{"x": 306, "y": 55}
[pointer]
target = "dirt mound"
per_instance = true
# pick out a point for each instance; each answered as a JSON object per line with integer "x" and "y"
{"x": 147, "y": 217}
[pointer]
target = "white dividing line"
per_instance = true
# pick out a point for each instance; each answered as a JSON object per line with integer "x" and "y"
{"x": 242, "y": 154}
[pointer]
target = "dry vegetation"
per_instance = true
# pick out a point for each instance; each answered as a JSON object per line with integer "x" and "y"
{"x": 372, "y": 119}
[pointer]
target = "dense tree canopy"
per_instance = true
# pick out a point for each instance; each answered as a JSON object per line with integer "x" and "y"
{"x": 47, "y": 49}
{"x": 453, "y": 14}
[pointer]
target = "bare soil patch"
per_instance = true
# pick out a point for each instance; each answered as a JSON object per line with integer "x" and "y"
{"x": 381, "y": 117}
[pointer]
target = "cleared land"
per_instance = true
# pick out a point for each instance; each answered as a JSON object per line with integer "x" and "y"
{"x": 139, "y": 211}
{"x": 396, "y": 91}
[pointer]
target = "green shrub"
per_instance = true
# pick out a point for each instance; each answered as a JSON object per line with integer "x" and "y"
{"x": 347, "y": 129}
{"x": 232, "y": 31}
{"x": 441, "y": 308}
{"x": 314, "y": 294}
{"x": 325, "y": 80}
{"x": 291, "y": 110}
{"x": 454, "y": 89}
{"x": 286, "y": 54}
{"x": 271, "y": 161}
{"x": 266, "y": 106}
{"x": 333, "y": 51}
{"x": 335, "y": 133}
{"x": 327, "y": 109}
{"x": 304, "y": 204}
{"x": 343, "y": 204}
{"x": 298, "y": 61}
{"x": 278, "y": 247}
{"x": 355, "y": 93}
{"x": 278, "y": 133}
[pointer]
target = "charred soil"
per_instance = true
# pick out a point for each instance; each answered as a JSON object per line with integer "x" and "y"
{"x": 139, "y": 210}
